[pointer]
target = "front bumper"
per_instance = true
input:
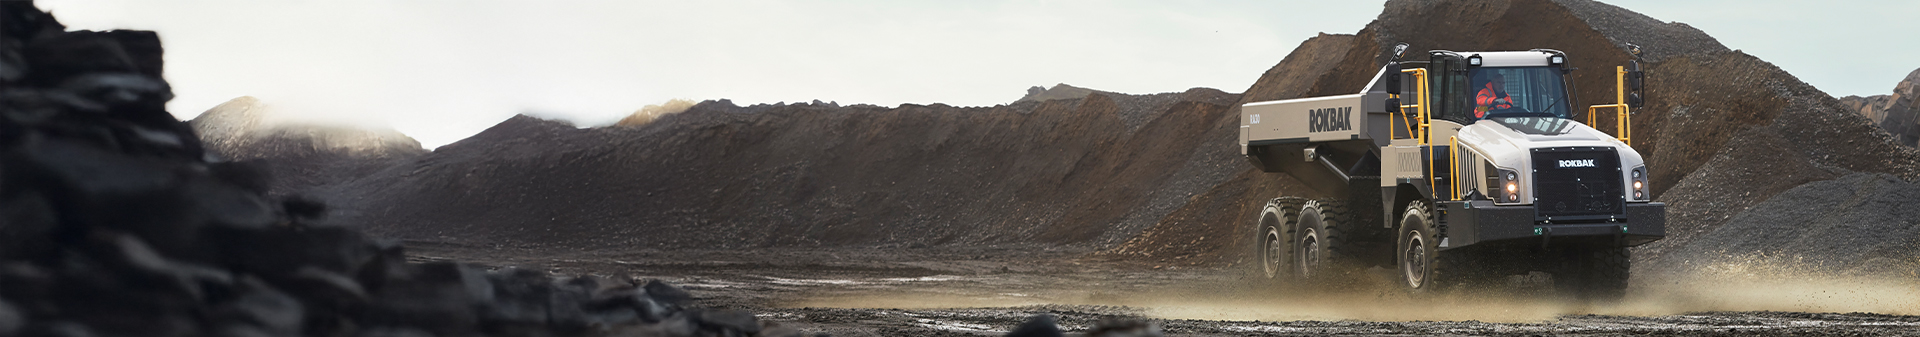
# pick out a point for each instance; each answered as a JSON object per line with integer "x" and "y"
{"x": 1480, "y": 221}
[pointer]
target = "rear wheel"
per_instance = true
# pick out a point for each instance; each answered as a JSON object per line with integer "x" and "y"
{"x": 1273, "y": 235}
{"x": 1320, "y": 240}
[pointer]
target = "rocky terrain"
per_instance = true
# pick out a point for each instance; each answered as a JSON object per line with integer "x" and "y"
{"x": 1144, "y": 178}
{"x": 1896, "y": 112}
{"x": 115, "y": 221}
{"x": 1082, "y": 202}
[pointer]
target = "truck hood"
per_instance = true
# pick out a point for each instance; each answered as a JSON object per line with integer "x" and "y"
{"x": 1506, "y": 142}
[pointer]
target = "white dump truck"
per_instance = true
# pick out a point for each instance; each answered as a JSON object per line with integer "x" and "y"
{"x": 1457, "y": 170}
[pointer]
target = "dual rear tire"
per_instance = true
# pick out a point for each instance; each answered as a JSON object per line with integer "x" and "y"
{"x": 1302, "y": 239}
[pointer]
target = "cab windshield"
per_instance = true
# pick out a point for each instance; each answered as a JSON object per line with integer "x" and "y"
{"x": 1517, "y": 92}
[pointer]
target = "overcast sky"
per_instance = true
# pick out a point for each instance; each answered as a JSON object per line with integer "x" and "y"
{"x": 443, "y": 70}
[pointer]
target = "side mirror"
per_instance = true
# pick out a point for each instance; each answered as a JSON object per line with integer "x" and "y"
{"x": 1636, "y": 80}
{"x": 1392, "y": 80}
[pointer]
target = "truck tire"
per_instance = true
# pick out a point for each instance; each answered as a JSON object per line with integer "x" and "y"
{"x": 1272, "y": 235}
{"x": 1423, "y": 269}
{"x": 1320, "y": 240}
{"x": 1596, "y": 275}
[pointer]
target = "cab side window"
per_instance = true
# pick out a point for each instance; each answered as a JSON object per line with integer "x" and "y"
{"x": 1452, "y": 90}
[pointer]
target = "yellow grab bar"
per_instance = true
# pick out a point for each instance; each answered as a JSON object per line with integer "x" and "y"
{"x": 1623, "y": 120}
{"x": 1453, "y": 173}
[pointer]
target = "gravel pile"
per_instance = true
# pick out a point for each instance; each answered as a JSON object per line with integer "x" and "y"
{"x": 1658, "y": 40}
{"x": 1858, "y": 224}
{"x": 113, "y": 222}
{"x": 1068, "y": 172}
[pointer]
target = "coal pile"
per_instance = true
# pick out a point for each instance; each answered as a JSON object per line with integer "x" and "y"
{"x": 113, "y": 222}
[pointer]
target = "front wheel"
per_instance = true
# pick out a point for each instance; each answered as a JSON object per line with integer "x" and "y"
{"x": 1418, "y": 251}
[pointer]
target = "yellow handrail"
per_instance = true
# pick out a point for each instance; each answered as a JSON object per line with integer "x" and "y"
{"x": 1622, "y": 121}
{"x": 1453, "y": 173}
{"x": 1419, "y": 104}
{"x": 1422, "y": 106}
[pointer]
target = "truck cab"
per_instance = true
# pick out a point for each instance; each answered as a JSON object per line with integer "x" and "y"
{"x": 1512, "y": 149}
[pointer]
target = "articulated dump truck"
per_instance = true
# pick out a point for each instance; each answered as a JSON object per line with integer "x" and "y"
{"x": 1456, "y": 171}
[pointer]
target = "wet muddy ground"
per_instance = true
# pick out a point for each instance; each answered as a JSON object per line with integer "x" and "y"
{"x": 988, "y": 291}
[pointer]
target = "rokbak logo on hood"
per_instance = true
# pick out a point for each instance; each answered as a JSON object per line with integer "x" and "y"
{"x": 1566, "y": 163}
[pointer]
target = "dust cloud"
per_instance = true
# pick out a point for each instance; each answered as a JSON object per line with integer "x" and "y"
{"x": 1751, "y": 285}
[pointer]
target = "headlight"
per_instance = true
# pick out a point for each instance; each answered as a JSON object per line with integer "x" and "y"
{"x": 1510, "y": 181}
{"x": 1639, "y": 176}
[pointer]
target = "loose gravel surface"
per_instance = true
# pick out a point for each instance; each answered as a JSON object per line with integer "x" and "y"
{"x": 991, "y": 290}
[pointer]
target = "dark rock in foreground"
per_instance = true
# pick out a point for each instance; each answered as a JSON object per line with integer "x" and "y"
{"x": 113, "y": 222}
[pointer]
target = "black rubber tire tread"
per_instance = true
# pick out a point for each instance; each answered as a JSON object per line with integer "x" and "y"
{"x": 1444, "y": 271}
{"x": 1336, "y": 257}
{"x": 1286, "y": 212}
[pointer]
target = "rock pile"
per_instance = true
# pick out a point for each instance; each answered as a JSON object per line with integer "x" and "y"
{"x": 113, "y": 222}
{"x": 1898, "y": 113}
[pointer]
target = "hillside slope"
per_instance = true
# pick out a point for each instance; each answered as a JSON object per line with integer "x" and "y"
{"x": 300, "y": 156}
{"x": 1055, "y": 172}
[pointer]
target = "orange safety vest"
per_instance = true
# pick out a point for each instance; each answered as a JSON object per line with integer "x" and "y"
{"x": 1489, "y": 100}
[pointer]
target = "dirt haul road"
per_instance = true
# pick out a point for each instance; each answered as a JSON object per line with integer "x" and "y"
{"x": 991, "y": 290}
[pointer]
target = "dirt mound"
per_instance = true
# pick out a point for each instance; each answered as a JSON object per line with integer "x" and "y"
{"x": 300, "y": 156}
{"x": 1898, "y": 113}
{"x": 721, "y": 175}
{"x": 1205, "y": 229}
{"x": 1058, "y": 91}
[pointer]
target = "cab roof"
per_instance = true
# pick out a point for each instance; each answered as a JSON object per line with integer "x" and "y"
{"x": 1530, "y": 58}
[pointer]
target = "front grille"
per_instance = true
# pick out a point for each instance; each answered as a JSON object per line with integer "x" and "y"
{"x": 1575, "y": 183}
